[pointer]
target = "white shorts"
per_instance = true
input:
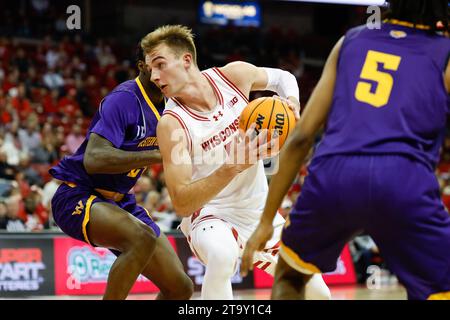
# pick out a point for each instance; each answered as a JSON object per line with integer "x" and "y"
{"x": 265, "y": 260}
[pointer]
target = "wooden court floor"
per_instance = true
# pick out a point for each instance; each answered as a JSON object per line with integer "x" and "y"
{"x": 348, "y": 292}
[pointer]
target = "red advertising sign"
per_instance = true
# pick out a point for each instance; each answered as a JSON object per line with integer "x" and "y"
{"x": 82, "y": 270}
{"x": 344, "y": 273}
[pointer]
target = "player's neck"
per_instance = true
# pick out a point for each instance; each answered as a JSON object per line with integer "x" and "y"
{"x": 198, "y": 94}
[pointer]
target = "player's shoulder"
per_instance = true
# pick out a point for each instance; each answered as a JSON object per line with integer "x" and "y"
{"x": 171, "y": 117}
{"x": 168, "y": 126}
{"x": 355, "y": 32}
{"x": 119, "y": 103}
{"x": 239, "y": 73}
{"x": 120, "y": 95}
{"x": 235, "y": 67}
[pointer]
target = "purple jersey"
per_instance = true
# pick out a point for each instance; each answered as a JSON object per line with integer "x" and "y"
{"x": 389, "y": 96}
{"x": 128, "y": 119}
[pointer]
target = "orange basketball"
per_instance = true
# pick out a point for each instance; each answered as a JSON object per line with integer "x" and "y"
{"x": 269, "y": 113}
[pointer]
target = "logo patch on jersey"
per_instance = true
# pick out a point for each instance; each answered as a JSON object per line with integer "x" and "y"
{"x": 397, "y": 34}
{"x": 148, "y": 142}
{"x": 79, "y": 208}
{"x": 217, "y": 116}
{"x": 232, "y": 102}
{"x": 133, "y": 173}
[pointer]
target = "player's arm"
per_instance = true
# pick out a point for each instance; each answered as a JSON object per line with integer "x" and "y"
{"x": 102, "y": 157}
{"x": 118, "y": 113}
{"x": 248, "y": 77}
{"x": 187, "y": 196}
{"x": 293, "y": 154}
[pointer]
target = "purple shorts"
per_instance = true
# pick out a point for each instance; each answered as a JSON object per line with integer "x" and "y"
{"x": 71, "y": 207}
{"x": 394, "y": 199}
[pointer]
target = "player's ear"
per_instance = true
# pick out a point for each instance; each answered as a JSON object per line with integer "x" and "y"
{"x": 187, "y": 60}
{"x": 140, "y": 65}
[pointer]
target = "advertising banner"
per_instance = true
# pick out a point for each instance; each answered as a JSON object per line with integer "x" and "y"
{"x": 344, "y": 273}
{"x": 64, "y": 266}
{"x": 83, "y": 270}
{"x": 26, "y": 267}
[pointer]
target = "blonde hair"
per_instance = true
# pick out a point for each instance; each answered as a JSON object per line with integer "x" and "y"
{"x": 177, "y": 37}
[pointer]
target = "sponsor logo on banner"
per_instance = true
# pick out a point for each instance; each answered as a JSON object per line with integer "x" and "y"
{"x": 21, "y": 269}
{"x": 25, "y": 269}
{"x": 82, "y": 270}
{"x": 86, "y": 266}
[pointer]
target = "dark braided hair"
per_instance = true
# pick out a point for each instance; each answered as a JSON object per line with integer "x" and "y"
{"x": 425, "y": 12}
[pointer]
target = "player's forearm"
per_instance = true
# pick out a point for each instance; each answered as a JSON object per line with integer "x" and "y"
{"x": 111, "y": 160}
{"x": 283, "y": 83}
{"x": 291, "y": 157}
{"x": 189, "y": 198}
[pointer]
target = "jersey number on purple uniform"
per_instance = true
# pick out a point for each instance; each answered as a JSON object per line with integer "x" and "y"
{"x": 383, "y": 80}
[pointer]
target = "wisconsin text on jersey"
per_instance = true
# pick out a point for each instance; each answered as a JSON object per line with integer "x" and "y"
{"x": 221, "y": 136}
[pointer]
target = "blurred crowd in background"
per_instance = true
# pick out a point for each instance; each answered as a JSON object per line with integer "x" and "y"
{"x": 50, "y": 89}
{"x": 52, "y": 82}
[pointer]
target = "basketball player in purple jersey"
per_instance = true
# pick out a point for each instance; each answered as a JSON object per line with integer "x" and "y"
{"x": 93, "y": 204}
{"x": 383, "y": 95}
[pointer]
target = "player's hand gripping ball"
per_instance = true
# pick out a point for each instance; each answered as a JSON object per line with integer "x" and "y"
{"x": 269, "y": 113}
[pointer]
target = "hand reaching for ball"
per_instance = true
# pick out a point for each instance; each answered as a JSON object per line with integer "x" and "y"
{"x": 292, "y": 103}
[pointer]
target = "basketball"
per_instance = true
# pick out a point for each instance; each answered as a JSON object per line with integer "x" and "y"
{"x": 269, "y": 113}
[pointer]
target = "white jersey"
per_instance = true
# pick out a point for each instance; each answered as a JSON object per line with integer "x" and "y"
{"x": 209, "y": 134}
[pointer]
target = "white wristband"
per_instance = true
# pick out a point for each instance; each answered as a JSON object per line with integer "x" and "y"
{"x": 282, "y": 82}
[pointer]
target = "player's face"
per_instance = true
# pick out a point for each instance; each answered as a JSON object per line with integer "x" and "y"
{"x": 168, "y": 71}
{"x": 147, "y": 73}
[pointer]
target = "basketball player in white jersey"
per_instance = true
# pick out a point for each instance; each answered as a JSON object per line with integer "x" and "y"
{"x": 221, "y": 201}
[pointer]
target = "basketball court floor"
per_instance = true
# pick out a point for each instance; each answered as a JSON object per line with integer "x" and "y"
{"x": 353, "y": 292}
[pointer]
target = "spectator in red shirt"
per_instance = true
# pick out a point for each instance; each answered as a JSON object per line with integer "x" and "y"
{"x": 11, "y": 80}
{"x": 110, "y": 79}
{"x": 37, "y": 216}
{"x": 7, "y": 112}
{"x": 50, "y": 100}
{"x": 21, "y": 103}
{"x": 68, "y": 105}
{"x": 67, "y": 46}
